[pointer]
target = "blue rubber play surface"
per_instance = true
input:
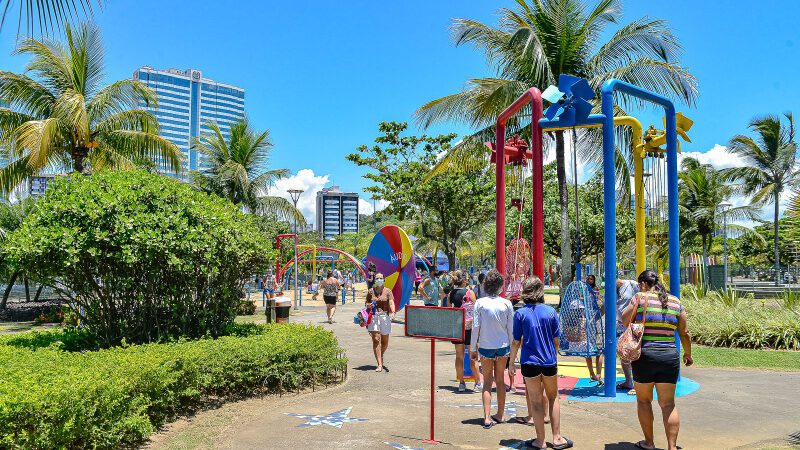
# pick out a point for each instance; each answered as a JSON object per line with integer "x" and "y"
{"x": 586, "y": 390}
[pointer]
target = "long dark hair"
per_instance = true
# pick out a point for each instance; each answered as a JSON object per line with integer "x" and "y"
{"x": 649, "y": 278}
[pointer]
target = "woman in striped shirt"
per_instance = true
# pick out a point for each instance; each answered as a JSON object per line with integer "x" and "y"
{"x": 659, "y": 363}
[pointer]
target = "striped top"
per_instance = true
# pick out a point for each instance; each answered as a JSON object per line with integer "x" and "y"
{"x": 659, "y": 328}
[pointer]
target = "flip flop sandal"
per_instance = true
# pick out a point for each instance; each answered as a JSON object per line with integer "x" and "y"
{"x": 529, "y": 443}
{"x": 563, "y": 446}
{"x": 639, "y": 445}
{"x": 486, "y": 426}
{"x": 520, "y": 420}
{"x": 496, "y": 420}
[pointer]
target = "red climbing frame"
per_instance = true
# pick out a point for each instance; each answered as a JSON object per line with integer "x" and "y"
{"x": 533, "y": 97}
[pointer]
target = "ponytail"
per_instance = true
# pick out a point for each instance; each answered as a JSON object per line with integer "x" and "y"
{"x": 649, "y": 278}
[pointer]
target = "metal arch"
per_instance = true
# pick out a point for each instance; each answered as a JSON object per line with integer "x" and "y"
{"x": 327, "y": 249}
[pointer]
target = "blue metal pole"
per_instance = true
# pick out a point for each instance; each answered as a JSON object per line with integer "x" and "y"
{"x": 610, "y": 238}
{"x": 672, "y": 202}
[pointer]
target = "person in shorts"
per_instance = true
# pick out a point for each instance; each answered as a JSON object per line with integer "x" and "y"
{"x": 660, "y": 361}
{"x": 492, "y": 323}
{"x": 268, "y": 283}
{"x": 462, "y": 297}
{"x": 380, "y": 301}
{"x": 536, "y": 331}
{"x": 429, "y": 289}
{"x": 330, "y": 293}
{"x": 626, "y": 289}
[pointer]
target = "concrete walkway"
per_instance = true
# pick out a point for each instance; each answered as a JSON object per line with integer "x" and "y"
{"x": 732, "y": 409}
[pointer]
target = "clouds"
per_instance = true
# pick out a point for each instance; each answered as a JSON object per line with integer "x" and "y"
{"x": 718, "y": 156}
{"x": 311, "y": 184}
{"x": 365, "y": 207}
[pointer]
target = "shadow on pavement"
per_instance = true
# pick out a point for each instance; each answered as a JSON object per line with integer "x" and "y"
{"x": 366, "y": 368}
{"x": 454, "y": 389}
{"x": 622, "y": 446}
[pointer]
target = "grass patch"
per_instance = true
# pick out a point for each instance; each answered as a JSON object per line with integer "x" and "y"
{"x": 112, "y": 398}
{"x": 746, "y": 358}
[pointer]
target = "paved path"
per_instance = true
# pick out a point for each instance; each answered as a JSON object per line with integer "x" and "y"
{"x": 732, "y": 409}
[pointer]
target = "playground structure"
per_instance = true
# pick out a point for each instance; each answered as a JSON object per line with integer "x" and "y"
{"x": 571, "y": 110}
{"x": 283, "y": 271}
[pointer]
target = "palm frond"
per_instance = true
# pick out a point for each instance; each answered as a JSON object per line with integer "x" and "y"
{"x": 135, "y": 144}
{"x": 46, "y": 16}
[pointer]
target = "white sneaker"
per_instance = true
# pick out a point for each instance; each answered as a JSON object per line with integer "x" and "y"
{"x": 462, "y": 387}
{"x": 478, "y": 386}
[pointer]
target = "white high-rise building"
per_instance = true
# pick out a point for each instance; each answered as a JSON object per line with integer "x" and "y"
{"x": 186, "y": 102}
{"x": 337, "y": 212}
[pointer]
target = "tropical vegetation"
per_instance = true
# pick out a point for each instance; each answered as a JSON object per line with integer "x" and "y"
{"x": 532, "y": 45}
{"x": 140, "y": 257}
{"x": 771, "y": 166}
{"x": 61, "y": 117}
{"x": 77, "y": 397}
{"x": 238, "y": 171}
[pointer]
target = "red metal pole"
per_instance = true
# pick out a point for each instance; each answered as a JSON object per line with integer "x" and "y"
{"x": 534, "y": 97}
{"x": 432, "y": 439}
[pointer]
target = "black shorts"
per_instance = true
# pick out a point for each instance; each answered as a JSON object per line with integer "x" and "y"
{"x": 329, "y": 300}
{"x": 467, "y": 338}
{"x": 532, "y": 370}
{"x": 657, "y": 365}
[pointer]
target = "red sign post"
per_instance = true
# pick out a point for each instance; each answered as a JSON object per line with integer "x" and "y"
{"x": 434, "y": 323}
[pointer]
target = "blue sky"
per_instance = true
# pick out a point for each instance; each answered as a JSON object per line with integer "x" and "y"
{"x": 321, "y": 75}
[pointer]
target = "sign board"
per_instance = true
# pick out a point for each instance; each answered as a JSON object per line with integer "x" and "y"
{"x": 435, "y": 322}
{"x": 716, "y": 277}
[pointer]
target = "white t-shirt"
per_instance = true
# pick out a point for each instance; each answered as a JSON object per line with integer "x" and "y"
{"x": 492, "y": 324}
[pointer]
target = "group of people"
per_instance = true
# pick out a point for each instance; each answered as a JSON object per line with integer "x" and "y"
{"x": 499, "y": 332}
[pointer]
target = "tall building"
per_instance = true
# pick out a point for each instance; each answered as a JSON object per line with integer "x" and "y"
{"x": 186, "y": 102}
{"x": 337, "y": 212}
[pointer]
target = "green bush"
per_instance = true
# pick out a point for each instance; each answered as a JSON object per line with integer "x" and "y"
{"x": 146, "y": 257}
{"x": 117, "y": 397}
{"x": 246, "y": 308}
{"x": 725, "y": 320}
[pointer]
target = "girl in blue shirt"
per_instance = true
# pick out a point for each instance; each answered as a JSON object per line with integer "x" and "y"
{"x": 536, "y": 332}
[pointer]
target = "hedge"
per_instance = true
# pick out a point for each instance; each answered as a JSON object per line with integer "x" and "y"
{"x": 51, "y": 398}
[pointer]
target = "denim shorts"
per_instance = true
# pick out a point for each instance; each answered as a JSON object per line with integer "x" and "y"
{"x": 494, "y": 353}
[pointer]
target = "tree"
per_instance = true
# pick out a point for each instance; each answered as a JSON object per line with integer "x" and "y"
{"x": 51, "y": 14}
{"x": 140, "y": 257}
{"x": 62, "y": 116}
{"x": 771, "y": 166}
{"x": 539, "y": 40}
{"x": 238, "y": 171}
{"x": 701, "y": 190}
{"x": 11, "y": 217}
{"x": 445, "y": 206}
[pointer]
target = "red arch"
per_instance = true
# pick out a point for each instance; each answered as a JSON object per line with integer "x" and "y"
{"x": 323, "y": 249}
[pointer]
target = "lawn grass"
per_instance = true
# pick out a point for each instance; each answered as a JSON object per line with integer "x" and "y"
{"x": 746, "y": 358}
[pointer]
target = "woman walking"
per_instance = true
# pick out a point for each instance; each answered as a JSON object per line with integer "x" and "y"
{"x": 371, "y": 271}
{"x": 380, "y": 301}
{"x": 330, "y": 292}
{"x": 492, "y": 324}
{"x": 536, "y": 332}
{"x": 659, "y": 363}
{"x": 462, "y": 297}
{"x": 429, "y": 289}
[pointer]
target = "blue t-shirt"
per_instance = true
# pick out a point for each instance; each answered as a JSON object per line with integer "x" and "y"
{"x": 536, "y": 326}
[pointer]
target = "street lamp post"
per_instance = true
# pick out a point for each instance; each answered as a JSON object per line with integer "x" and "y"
{"x": 295, "y": 194}
{"x": 725, "y": 207}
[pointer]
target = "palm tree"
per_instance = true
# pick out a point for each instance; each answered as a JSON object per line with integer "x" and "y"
{"x": 702, "y": 189}
{"x": 63, "y": 117}
{"x": 51, "y": 14}
{"x": 771, "y": 166}
{"x": 539, "y": 40}
{"x": 238, "y": 171}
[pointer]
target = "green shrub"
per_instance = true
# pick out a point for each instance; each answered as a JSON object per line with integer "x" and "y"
{"x": 721, "y": 320}
{"x": 147, "y": 257}
{"x": 117, "y": 397}
{"x": 246, "y": 308}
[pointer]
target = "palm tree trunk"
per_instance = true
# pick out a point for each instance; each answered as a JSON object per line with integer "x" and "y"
{"x": 705, "y": 261}
{"x": 563, "y": 196}
{"x": 78, "y": 156}
{"x": 777, "y": 238}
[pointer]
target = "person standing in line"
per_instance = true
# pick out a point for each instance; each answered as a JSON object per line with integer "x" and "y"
{"x": 480, "y": 291}
{"x": 591, "y": 280}
{"x": 462, "y": 297}
{"x": 429, "y": 289}
{"x": 330, "y": 293}
{"x": 626, "y": 289}
{"x": 380, "y": 301}
{"x": 536, "y": 332}
{"x": 371, "y": 271}
{"x": 659, "y": 363}
{"x": 492, "y": 324}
